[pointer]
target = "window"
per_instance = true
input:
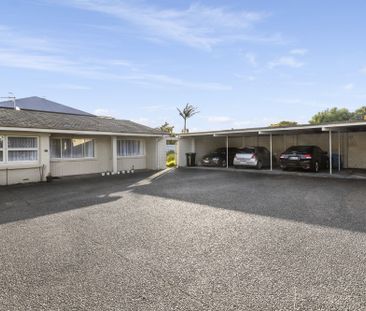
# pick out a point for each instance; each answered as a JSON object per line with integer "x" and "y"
{"x": 89, "y": 148}
{"x": 1, "y": 149}
{"x": 55, "y": 149}
{"x": 129, "y": 148}
{"x": 22, "y": 149}
{"x": 72, "y": 148}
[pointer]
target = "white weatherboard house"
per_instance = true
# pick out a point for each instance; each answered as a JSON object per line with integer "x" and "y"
{"x": 42, "y": 138}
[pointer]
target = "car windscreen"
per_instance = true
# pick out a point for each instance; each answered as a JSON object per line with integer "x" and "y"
{"x": 247, "y": 150}
{"x": 300, "y": 149}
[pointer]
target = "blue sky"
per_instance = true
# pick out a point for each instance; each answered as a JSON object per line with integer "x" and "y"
{"x": 243, "y": 63}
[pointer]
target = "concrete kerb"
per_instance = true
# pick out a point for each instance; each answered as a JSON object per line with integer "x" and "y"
{"x": 278, "y": 172}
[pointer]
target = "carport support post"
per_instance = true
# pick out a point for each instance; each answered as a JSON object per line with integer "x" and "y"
{"x": 271, "y": 151}
{"x": 339, "y": 151}
{"x": 227, "y": 151}
{"x": 114, "y": 155}
{"x": 330, "y": 153}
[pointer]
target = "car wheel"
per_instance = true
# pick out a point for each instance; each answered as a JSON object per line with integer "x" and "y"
{"x": 259, "y": 165}
{"x": 316, "y": 167}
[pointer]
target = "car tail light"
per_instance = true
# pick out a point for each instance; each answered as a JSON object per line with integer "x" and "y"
{"x": 308, "y": 156}
{"x": 254, "y": 156}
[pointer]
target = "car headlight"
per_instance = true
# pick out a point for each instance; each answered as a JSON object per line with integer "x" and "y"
{"x": 215, "y": 159}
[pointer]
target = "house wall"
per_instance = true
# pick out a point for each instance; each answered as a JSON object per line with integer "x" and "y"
{"x": 13, "y": 173}
{"x": 154, "y": 156}
{"x": 101, "y": 163}
{"x": 356, "y": 150}
{"x": 184, "y": 145}
{"x": 17, "y": 172}
{"x": 138, "y": 162}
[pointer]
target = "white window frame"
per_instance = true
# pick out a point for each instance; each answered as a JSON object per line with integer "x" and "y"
{"x": 142, "y": 147}
{"x": 2, "y": 149}
{"x": 6, "y": 150}
{"x": 74, "y": 159}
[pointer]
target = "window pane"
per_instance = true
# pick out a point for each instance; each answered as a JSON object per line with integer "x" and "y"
{"x": 1, "y": 142}
{"x": 22, "y": 142}
{"x": 119, "y": 148}
{"x": 55, "y": 148}
{"x": 89, "y": 148}
{"x": 129, "y": 148}
{"x": 23, "y": 155}
{"x": 1, "y": 156}
{"x": 66, "y": 148}
{"x": 77, "y": 148}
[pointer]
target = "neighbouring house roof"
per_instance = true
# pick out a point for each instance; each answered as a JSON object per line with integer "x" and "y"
{"x": 53, "y": 122}
{"x": 36, "y": 103}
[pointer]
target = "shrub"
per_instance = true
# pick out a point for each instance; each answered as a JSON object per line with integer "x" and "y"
{"x": 171, "y": 159}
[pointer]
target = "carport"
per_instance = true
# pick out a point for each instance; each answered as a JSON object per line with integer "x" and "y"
{"x": 347, "y": 140}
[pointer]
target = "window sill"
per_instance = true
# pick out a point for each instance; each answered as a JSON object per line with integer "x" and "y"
{"x": 131, "y": 157}
{"x": 74, "y": 160}
{"x": 19, "y": 165}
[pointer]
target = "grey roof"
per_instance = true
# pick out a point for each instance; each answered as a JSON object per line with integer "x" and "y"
{"x": 70, "y": 122}
{"x": 41, "y": 104}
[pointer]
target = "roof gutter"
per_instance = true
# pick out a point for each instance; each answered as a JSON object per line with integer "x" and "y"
{"x": 20, "y": 129}
{"x": 263, "y": 131}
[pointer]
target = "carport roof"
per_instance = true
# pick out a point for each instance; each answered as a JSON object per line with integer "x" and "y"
{"x": 51, "y": 122}
{"x": 336, "y": 126}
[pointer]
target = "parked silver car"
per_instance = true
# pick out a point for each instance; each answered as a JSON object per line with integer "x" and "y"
{"x": 257, "y": 157}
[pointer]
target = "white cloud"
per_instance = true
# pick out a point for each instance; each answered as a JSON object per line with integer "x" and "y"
{"x": 219, "y": 119}
{"x": 300, "y": 52}
{"x": 251, "y": 58}
{"x": 158, "y": 108}
{"x": 59, "y": 64}
{"x": 287, "y": 101}
{"x": 10, "y": 38}
{"x": 72, "y": 87}
{"x": 20, "y": 52}
{"x": 197, "y": 26}
{"x": 250, "y": 78}
{"x": 349, "y": 87}
{"x": 287, "y": 61}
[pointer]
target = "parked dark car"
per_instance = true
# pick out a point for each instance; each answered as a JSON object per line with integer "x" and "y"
{"x": 218, "y": 157}
{"x": 310, "y": 158}
{"x": 257, "y": 157}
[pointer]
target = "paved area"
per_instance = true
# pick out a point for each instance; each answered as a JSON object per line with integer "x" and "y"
{"x": 343, "y": 174}
{"x": 186, "y": 240}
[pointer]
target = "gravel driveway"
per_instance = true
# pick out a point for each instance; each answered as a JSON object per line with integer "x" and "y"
{"x": 186, "y": 240}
